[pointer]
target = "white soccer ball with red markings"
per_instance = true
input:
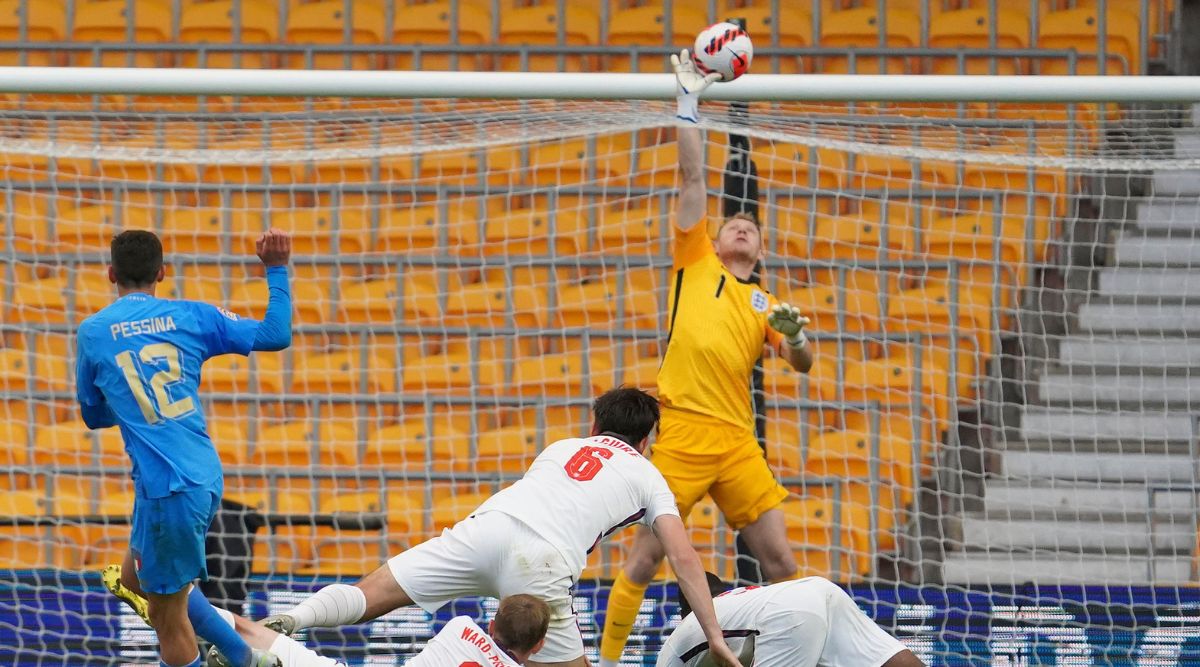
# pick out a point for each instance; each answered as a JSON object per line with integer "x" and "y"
{"x": 723, "y": 48}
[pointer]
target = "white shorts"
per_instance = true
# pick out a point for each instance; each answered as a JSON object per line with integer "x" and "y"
{"x": 494, "y": 555}
{"x": 818, "y": 624}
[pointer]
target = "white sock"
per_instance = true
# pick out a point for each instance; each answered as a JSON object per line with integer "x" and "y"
{"x": 609, "y": 663}
{"x": 334, "y": 605}
{"x": 226, "y": 615}
{"x": 294, "y": 654}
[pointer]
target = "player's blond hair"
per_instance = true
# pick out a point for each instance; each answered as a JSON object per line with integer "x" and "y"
{"x": 521, "y": 622}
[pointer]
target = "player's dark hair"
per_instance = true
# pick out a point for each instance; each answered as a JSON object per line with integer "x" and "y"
{"x": 627, "y": 412}
{"x": 137, "y": 257}
{"x": 715, "y": 588}
{"x": 521, "y": 622}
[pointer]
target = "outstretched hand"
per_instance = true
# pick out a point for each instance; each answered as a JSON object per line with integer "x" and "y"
{"x": 274, "y": 247}
{"x": 689, "y": 83}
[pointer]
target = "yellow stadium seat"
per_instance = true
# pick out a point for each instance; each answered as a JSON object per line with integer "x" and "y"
{"x": 326, "y": 231}
{"x": 70, "y": 444}
{"x": 90, "y": 227}
{"x": 412, "y": 444}
{"x": 455, "y": 509}
{"x": 92, "y": 289}
{"x": 1023, "y": 6}
{"x": 795, "y": 164}
{"x": 795, "y": 31}
{"x": 860, "y": 28}
{"x": 562, "y": 374}
{"x": 454, "y": 372}
{"x": 14, "y": 452}
{"x": 847, "y": 454}
{"x": 229, "y": 437}
{"x": 506, "y": 449}
{"x": 431, "y": 24}
{"x": 971, "y": 29}
{"x": 107, "y": 21}
{"x": 599, "y": 303}
{"x": 565, "y": 162}
{"x": 44, "y": 22}
{"x": 1134, "y": 7}
{"x": 646, "y": 26}
{"x": 343, "y": 372}
{"x": 40, "y": 301}
{"x": 631, "y": 231}
{"x": 892, "y": 380}
{"x": 250, "y": 296}
{"x": 324, "y": 22}
{"x": 812, "y": 526}
{"x": 212, "y": 22}
{"x": 539, "y": 25}
{"x": 558, "y": 423}
{"x": 293, "y": 444}
{"x": 1078, "y": 29}
{"x": 404, "y": 511}
{"x": 973, "y": 238}
{"x": 527, "y": 232}
{"x": 495, "y": 304}
{"x": 825, "y": 304}
{"x": 203, "y": 230}
{"x": 420, "y": 227}
{"x": 863, "y": 237}
{"x": 30, "y": 552}
{"x": 234, "y": 373}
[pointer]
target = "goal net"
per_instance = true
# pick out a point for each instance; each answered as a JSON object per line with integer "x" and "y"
{"x": 994, "y": 449}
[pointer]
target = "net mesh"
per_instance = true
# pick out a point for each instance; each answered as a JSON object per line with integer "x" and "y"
{"x": 1000, "y": 299}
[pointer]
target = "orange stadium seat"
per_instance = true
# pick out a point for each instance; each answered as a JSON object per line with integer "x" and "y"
{"x": 1079, "y": 29}
{"x": 599, "y": 303}
{"x": 526, "y": 231}
{"x": 847, "y": 454}
{"x": 495, "y": 304}
{"x": 972, "y": 237}
{"x": 565, "y": 162}
{"x": 646, "y": 26}
{"x": 413, "y": 444}
{"x": 44, "y": 22}
{"x": 861, "y": 28}
{"x": 249, "y": 297}
{"x": 431, "y": 24}
{"x": 107, "y": 21}
{"x": 203, "y": 231}
{"x": 632, "y": 231}
{"x": 324, "y": 23}
{"x": 344, "y": 372}
{"x": 454, "y": 372}
{"x": 863, "y": 237}
{"x": 213, "y": 22}
{"x": 1026, "y": 7}
{"x": 456, "y": 508}
{"x": 812, "y": 523}
{"x": 795, "y": 164}
{"x": 824, "y": 304}
{"x": 324, "y": 231}
{"x": 506, "y": 449}
{"x": 972, "y": 28}
{"x": 306, "y": 443}
{"x": 233, "y": 373}
{"x": 1134, "y": 8}
{"x": 794, "y": 30}
{"x": 14, "y": 452}
{"x": 71, "y": 444}
{"x": 892, "y": 380}
{"x": 539, "y": 25}
{"x": 562, "y": 374}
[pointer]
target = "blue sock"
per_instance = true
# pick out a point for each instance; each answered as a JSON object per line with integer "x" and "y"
{"x": 194, "y": 663}
{"x": 209, "y": 625}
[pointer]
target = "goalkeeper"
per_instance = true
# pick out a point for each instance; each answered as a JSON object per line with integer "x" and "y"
{"x": 719, "y": 323}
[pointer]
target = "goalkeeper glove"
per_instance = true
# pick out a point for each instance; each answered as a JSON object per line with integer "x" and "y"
{"x": 787, "y": 320}
{"x": 688, "y": 85}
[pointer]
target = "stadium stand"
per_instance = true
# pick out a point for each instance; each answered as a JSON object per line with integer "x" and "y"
{"x": 855, "y": 217}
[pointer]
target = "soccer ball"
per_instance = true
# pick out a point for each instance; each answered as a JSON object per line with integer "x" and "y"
{"x": 723, "y": 48}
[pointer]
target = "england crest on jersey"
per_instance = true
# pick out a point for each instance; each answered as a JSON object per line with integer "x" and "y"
{"x": 758, "y": 301}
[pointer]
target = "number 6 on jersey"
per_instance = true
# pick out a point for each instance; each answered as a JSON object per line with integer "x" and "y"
{"x": 586, "y": 463}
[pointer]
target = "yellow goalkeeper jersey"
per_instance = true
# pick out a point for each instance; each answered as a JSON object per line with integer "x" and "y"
{"x": 717, "y": 325}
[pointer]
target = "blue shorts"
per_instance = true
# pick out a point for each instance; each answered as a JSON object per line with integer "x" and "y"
{"x": 167, "y": 538}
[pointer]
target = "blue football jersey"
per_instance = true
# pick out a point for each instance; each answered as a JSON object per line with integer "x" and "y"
{"x": 141, "y": 356}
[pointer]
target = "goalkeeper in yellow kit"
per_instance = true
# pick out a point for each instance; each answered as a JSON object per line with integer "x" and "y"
{"x": 719, "y": 322}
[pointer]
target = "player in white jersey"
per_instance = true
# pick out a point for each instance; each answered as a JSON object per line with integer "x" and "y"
{"x": 517, "y": 631}
{"x": 534, "y": 536}
{"x": 800, "y": 623}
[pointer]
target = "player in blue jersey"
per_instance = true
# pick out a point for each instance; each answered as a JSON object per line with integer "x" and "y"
{"x": 138, "y": 368}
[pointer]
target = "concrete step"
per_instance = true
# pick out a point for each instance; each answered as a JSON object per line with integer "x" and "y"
{"x": 1014, "y": 569}
{"x": 1175, "y": 182}
{"x": 1056, "y": 498}
{"x": 1173, "y": 535}
{"x": 1196, "y": 115}
{"x": 1139, "y": 250}
{"x": 1040, "y": 423}
{"x": 1149, "y": 283}
{"x": 1137, "y": 388}
{"x": 1155, "y": 352}
{"x": 1084, "y": 466}
{"x": 1161, "y": 319}
{"x": 1187, "y": 145}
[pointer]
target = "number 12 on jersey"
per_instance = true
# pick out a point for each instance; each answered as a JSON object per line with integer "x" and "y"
{"x": 586, "y": 463}
{"x": 160, "y": 382}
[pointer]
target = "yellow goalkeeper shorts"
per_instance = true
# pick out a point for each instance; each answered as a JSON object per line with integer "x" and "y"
{"x": 733, "y": 468}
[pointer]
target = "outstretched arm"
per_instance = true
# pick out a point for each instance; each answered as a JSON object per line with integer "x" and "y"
{"x": 274, "y": 332}
{"x": 689, "y": 83}
{"x": 692, "y": 582}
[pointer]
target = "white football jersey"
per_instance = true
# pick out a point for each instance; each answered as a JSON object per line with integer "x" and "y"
{"x": 462, "y": 643}
{"x": 581, "y": 489}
